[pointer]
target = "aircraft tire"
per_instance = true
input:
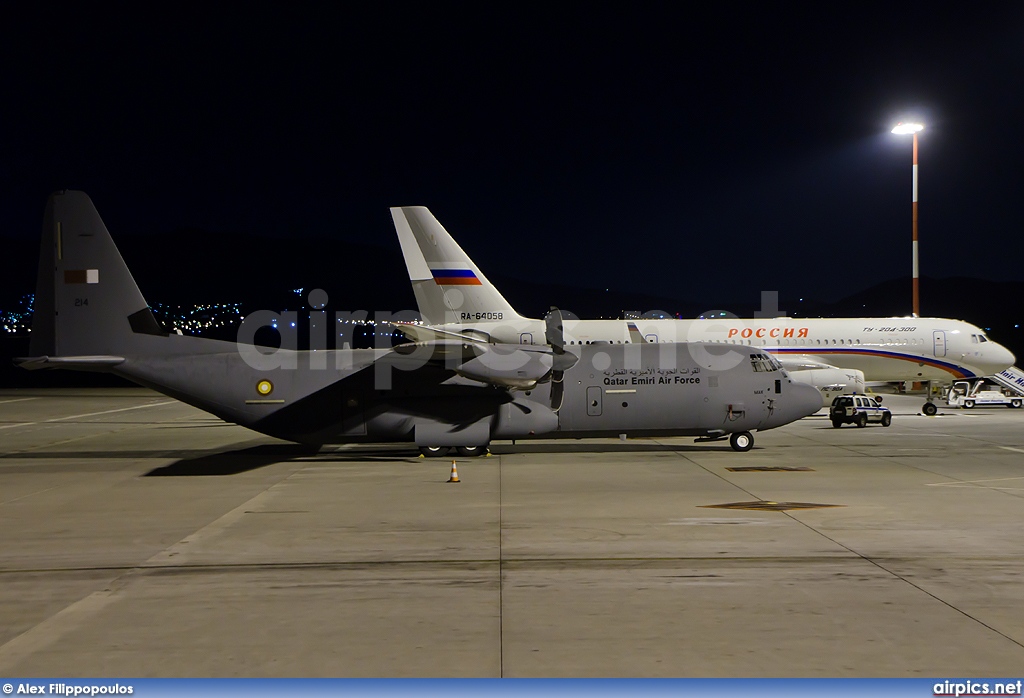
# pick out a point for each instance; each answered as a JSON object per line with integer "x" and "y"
{"x": 741, "y": 441}
{"x": 862, "y": 420}
{"x": 435, "y": 451}
{"x": 886, "y": 420}
{"x": 471, "y": 451}
{"x": 930, "y": 409}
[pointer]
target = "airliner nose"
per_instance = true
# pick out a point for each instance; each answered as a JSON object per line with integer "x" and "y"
{"x": 996, "y": 358}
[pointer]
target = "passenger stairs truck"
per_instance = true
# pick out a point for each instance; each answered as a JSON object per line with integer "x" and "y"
{"x": 981, "y": 393}
{"x": 1011, "y": 379}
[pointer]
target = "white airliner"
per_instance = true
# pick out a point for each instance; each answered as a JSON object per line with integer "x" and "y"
{"x": 835, "y": 355}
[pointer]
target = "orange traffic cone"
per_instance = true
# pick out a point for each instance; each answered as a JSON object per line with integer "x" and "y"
{"x": 455, "y": 474}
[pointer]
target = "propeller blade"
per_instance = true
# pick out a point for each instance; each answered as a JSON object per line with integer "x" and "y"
{"x": 557, "y": 391}
{"x": 554, "y": 330}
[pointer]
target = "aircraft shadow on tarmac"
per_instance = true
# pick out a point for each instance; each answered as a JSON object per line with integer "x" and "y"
{"x": 254, "y": 457}
{"x": 618, "y": 447}
{"x": 233, "y": 462}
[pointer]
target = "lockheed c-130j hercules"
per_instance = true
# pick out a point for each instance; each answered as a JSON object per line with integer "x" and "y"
{"x": 836, "y": 356}
{"x": 438, "y": 394}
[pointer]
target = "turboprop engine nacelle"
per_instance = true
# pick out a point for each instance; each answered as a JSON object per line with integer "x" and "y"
{"x": 831, "y": 381}
{"x": 508, "y": 366}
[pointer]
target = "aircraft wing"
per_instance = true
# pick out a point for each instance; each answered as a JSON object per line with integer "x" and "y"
{"x": 424, "y": 333}
{"x": 503, "y": 365}
{"x": 801, "y": 362}
{"x": 830, "y": 380}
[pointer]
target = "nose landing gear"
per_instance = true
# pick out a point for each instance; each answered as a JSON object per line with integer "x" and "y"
{"x": 741, "y": 441}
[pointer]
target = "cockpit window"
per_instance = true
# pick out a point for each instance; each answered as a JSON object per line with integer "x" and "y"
{"x": 982, "y": 338}
{"x": 764, "y": 363}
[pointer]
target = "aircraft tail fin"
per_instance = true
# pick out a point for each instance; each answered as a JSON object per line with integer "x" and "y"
{"x": 86, "y": 303}
{"x": 449, "y": 287}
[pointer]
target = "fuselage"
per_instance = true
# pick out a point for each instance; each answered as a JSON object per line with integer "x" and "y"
{"x": 682, "y": 389}
{"x": 884, "y": 349}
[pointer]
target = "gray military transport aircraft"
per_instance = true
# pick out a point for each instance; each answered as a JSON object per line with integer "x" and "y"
{"x": 441, "y": 394}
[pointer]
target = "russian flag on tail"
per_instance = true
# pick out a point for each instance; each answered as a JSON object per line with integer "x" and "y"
{"x": 455, "y": 277}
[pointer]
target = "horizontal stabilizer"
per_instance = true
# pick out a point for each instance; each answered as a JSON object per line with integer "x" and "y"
{"x": 94, "y": 363}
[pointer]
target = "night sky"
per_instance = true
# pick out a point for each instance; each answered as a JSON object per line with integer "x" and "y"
{"x": 695, "y": 154}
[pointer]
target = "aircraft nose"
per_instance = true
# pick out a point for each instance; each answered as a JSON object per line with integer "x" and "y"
{"x": 995, "y": 359}
{"x": 797, "y": 400}
{"x": 806, "y": 400}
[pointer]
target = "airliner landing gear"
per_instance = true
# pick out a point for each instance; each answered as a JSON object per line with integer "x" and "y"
{"x": 929, "y": 409}
{"x": 471, "y": 451}
{"x": 741, "y": 441}
{"x": 435, "y": 451}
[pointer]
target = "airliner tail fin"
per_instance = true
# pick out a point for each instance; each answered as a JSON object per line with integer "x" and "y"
{"x": 449, "y": 287}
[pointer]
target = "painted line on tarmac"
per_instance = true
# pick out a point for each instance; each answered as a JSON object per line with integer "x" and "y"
{"x": 19, "y": 399}
{"x": 1011, "y": 448}
{"x": 979, "y": 484}
{"x": 175, "y": 554}
{"x": 88, "y": 414}
{"x": 45, "y": 634}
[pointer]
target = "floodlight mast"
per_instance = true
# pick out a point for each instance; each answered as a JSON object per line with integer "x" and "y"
{"x": 902, "y": 129}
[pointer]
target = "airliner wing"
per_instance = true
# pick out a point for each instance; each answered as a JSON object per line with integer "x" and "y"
{"x": 828, "y": 379}
{"x": 801, "y": 362}
{"x": 423, "y": 333}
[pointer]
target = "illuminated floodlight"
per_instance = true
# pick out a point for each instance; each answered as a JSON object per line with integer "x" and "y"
{"x": 903, "y": 128}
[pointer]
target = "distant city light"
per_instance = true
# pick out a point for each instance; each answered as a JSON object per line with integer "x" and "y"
{"x": 20, "y": 320}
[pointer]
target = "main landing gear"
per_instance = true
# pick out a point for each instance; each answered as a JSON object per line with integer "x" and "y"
{"x": 464, "y": 451}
